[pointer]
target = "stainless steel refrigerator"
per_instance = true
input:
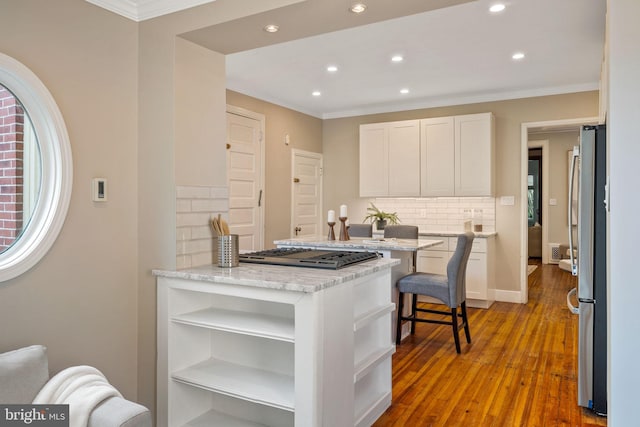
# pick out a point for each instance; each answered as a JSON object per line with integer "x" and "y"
{"x": 588, "y": 243}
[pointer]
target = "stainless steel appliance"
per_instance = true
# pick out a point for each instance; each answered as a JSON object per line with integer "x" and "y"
{"x": 299, "y": 257}
{"x": 590, "y": 265}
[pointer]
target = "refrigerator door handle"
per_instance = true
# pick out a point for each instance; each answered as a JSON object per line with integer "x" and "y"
{"x": 574, "y": 157}
{"x": 573, "y": 309}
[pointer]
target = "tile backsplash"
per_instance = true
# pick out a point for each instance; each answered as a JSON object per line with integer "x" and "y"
{"x": 440, "y": 213}
{"x": 195, "y": 206}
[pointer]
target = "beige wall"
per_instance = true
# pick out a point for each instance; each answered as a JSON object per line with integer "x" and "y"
{"x": 200, "y": 85}
{"x": 559, "y": 144}
{"x": 81, "y": 300}
{"x": 340, "y": 149}
{"x": 305, "y": 133}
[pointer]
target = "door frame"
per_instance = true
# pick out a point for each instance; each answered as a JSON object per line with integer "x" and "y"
{"x": 550, "y": 125}
{"x": 239, "y": 111}
{"x": 294, "y": 152}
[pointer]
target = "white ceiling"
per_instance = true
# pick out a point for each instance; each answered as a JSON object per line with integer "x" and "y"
{"x": 454, "y": 55}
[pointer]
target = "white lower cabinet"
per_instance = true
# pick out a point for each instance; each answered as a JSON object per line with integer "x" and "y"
{"x": 480, "y": 268}
{"x": 240, "y": 356}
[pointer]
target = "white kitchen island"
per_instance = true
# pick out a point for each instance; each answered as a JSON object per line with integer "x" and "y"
{"x": 264, "y": 345}
{"x": 404, "y": 250}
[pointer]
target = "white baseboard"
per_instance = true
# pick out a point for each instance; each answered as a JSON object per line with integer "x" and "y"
{"x": 508, "y": 296}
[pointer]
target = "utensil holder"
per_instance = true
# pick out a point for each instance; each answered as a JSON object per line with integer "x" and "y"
{"x": 227, "y": 246}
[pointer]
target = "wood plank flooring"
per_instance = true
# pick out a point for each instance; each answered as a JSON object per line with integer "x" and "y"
{"x": 520, "y": 370}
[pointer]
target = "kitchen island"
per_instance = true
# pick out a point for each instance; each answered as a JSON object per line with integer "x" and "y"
{"x": 275, "y": 346}
{"x": 404, "y": 250}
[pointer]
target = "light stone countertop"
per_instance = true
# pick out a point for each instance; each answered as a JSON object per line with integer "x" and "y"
{"x": 296, "y": 279}
{"x": 442, "y": 233}
{"x": 375, "y": 243}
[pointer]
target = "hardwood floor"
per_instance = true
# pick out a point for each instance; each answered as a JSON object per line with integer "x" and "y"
{"x": 520, "y": 370}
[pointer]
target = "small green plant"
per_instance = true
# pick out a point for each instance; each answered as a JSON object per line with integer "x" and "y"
{"x": 375, "y": 215}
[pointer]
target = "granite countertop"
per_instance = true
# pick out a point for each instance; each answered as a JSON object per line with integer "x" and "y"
{"x": 372, "y": 244}
{"x": 442, "y": 233}
{"x": 296, "y": 279}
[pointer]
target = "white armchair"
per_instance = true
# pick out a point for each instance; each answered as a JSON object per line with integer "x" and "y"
{"x": 24, "y": 372}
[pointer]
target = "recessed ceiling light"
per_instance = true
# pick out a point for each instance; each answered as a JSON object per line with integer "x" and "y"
{"x": 332, "y": 68}
{"x": 271, "y": 28}
{"x": 397, "y": 58}
{"x": 498, "y": 7}
{"x": 404, "y": 91}
{"x": 517, "y": 56}
{"x": 358, "y": 7}
{"x": 316, "y": 93}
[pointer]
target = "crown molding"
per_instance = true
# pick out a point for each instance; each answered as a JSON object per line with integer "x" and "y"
{"x": 140, "y": 10}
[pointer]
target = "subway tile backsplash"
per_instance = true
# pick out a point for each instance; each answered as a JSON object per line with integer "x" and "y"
{"x": 440, "y": 213}
{"x": 195, "y": 206}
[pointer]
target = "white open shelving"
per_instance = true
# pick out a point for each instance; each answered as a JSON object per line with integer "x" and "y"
{"x": 245, "y": 357}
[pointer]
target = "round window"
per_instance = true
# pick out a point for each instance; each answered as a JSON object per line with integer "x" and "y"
{"x": 35, "y": 169}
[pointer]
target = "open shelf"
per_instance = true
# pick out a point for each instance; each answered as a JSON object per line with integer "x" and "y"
{"x": 215, "y": 418}
{"x": 367, "y": 411}
{"x": 367, "y": 317}
{"x": 367, "y": 364}
{"x": 246, "y": 383}
{"x": 255, "y": 324}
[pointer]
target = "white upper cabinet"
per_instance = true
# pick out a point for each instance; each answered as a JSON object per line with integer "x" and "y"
{"x": 457, "y": 156}
{"x": 474, "y": 159}
{"x": 437, "y": 157}
{"x": 389, "y": 159}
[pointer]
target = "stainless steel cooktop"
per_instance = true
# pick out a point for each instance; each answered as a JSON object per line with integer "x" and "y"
{"x": 314, "y": 258}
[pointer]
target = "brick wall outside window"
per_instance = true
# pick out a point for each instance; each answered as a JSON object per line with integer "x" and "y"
{"x": 11, "y": 168}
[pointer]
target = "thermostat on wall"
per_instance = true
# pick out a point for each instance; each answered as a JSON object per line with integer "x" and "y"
{"x": 99, "y": 189}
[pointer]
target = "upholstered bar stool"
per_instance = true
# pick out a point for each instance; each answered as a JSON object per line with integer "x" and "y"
{"x": 449, "y": 288}
{"x": 401, "y": 231}
{"x": 360, "y": 230}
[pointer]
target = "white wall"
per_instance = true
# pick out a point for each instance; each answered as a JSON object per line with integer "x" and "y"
{"x": 624, "y": 152}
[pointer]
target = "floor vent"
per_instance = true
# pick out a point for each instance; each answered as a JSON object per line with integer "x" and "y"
{"x": 554, "y": 251}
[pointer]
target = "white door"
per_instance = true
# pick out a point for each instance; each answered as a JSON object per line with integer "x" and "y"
{"x": 306, "y": 193}
{"x": 244, "y": 180}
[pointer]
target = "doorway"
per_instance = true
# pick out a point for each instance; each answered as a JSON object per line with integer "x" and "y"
{"x": 526, "y": 129}
{"x": 537, "y": 193}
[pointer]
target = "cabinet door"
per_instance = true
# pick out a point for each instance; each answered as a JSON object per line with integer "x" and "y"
{"x": 474, "y": 146}
{"x": 437, "y": 157}
{"x": 433, "y": 261}
{"x": 374, "y": 160}
{"x": 404, "y": 158}
{"x": 477, "y": 276}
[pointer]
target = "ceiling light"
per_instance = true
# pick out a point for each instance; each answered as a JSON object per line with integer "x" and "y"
{"x": 271, "y": 28}
{"x": 332, "y": 68}
{"x": 316, "y": 93}
{"x": 498, "y": 7}
{"x": 397, "y": 58}
{"x": 517, "y": 56}
{"x": 358, "y": 7}
{"x": 404, "y": 91}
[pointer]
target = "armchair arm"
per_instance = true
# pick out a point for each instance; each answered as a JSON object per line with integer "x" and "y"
{"x": 119, "y": 412}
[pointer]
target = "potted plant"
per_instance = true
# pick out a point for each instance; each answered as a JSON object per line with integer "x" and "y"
{"x": 380, "y": 218}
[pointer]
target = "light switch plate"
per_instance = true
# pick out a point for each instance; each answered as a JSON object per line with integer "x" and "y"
{"x": 553, "y": 202}
{"x": 507, "y": 200}
{"x": 99, "y": 189}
